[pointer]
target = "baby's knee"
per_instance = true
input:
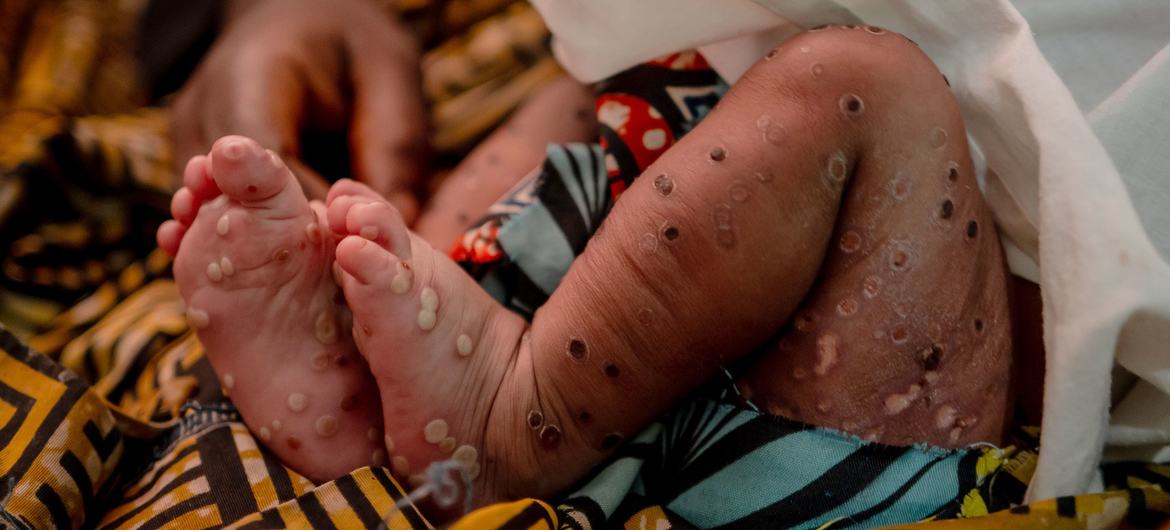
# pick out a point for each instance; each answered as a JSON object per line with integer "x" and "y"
{"x": 856, "y": 70}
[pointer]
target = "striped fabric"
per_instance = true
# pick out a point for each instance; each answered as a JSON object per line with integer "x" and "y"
{"x": 718, "y": 465}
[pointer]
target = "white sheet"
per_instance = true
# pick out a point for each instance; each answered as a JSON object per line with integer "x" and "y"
{"x": 1071, "y": 122}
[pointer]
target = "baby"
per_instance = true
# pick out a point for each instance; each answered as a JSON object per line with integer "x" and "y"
{"x": 824, "y": 218}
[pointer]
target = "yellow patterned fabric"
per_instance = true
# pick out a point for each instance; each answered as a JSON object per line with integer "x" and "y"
{"x": 110, "y": 416}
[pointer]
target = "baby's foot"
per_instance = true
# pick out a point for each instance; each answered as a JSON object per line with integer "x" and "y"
{"x": 253, "y": 263}
{"x": 438, "y": 345}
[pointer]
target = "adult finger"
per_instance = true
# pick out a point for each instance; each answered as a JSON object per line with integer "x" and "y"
{"x": 388, "y": 129}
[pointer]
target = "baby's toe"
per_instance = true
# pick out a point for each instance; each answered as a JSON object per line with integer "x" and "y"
{"x": 197, "y": 178}
{"x": 372, "y": 266}
{"x": 381, "y": 223}
{"x": 346, "y": 187}
{"x": 169, "y": 235}
{"x": 247, "y": 172}
{"x": 184, "y": 206}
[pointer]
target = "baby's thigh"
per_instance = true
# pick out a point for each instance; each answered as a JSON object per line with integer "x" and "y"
{"x": 905, "y": 336}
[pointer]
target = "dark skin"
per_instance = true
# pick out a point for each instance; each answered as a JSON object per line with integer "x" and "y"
{"x": 284, "y": 67}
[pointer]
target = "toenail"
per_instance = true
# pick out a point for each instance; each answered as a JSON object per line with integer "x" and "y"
{"x": 325, "y": 329}
{"x": 198, "y": 318}
{"x": 294, "y": 443}
{"x": 473, "y": 470}
{"x": 465, "y": 454}
{"x": 229, "y": 381}
{"x": 265, "y": 434}
{"x": 550, "y": 436}
{"x": 446, "y": 445}
{"x": 326, "y": 426}
{"x": 218, "y": 202}
{"x": 389, "y": 442}
{"x": 369, "y": 232}
{"x": 611, "y": 440}
{"x": 297, "y": 402}
{"x": 435, "y": 431}
{"x": 426, "y": 320}
{"x": 348, "y": 403}
{"x": 429, "y": 299}
{"x": 320, "y": 362}
{"x": 223, "y": 225}
{"x": 378, "y": 458}
{"x": 535, "y": 419}
{"x": 403, "y": 278}
{"x": 225, "y": 265}
{"x": 400, "y": 465}
{"x": 463, "y": 345}
{"x": 313, "y": 232}
{"x": 233, "y": 149}
{"x": 214, "y": 272}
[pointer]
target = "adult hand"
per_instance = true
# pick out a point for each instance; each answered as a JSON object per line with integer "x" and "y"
{"x": 283, "y": 67}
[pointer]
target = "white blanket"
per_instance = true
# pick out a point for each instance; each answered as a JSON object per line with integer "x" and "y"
{"x": 1074, "y": 125}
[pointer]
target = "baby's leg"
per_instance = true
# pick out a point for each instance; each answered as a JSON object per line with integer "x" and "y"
{"x": 703, "y": 260}
{"x": 561, "y": 112}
